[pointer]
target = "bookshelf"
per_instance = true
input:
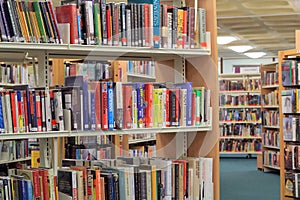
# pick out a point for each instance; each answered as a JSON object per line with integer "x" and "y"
{"x": 172, "y": 142}
{"x": 240, "y": 117}
{"x": 288, "y": 143}
{"x": 270, "y": 117}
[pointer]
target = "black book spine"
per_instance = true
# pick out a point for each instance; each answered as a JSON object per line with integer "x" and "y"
{"x": 52, "y": 22}
{"x": 10, "y": 22}
{"x": 136, "y": 26}
{"x": 143, "y": 185}
{"x": 142, "y": 24}
{"x": 103, "y": 22}
{"x": 5, "y": 23}
{"x": 16, "y": 20}
{"x": 45, "y": 20}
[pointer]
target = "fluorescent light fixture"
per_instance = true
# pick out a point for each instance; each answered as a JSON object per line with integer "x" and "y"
{"x": 255, "y": 54}
{"x": 225, "y": 39}
{"x": 241, "y": 48}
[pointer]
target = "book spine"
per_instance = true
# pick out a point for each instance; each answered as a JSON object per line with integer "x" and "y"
{"x": 149, "y": 105}
{"x": 104, "y": 102}
{"x": 118, "y": 93}
{"x": 14, "y": 111}
{"x": 2, "y": 127}
{"x": 59, "y": 110}
{"x": 202, "y": 27}
{"x": 167, "y": 108}
{"x": 43, "y": 112}
{"x": 92, "y": 110}
{"x": 20, "y": 111}
{"x": 140, "y": 92}
{"x": 110, "y": 105}
{"x": 134, "y": 108}
{"x": 122, "y": 15}
{"x": 127, "y": 114}
{"x": 97, "y": 23}
{"x": 5, "y": 20}
{"x": 156, "y": 23}
{"x": 85, "y": 105}
{"x": 104, "y": 22}
{"x": 4, "y": 37}
{"x": 98, "y": 105}
{"x": 108, "y": 25}
{"x": 40, "y": 21}
{"x": 128, "y": 25}
{"x": 54, "y": 19}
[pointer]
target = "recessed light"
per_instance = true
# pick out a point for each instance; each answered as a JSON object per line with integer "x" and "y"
{"x": 241, "y": 48}
{"x": 226, "y": 39}
{"x": 255, "y": 54}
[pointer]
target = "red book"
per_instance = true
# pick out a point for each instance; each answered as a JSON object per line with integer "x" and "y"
{"x": 148, "y": 105}
{"x": 147, "y": 25}
{"x": 184, "y": 28}
{"x": 14, "y": 113}
{"x": 25, "y": 111}
{"x": 45, "y": 183}
{"x": 97, "y": 88}
{"x": 104, "y": 107}
{"x": 36, "y": 184}
{"x": 38, "y": 111}
{"x": 108, "y": 25}
{"x": 73, "y": 69}
{"x": 68, "y": 14}
{"x": 127, "y": 103}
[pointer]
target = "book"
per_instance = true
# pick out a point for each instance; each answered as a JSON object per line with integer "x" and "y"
{"x": 285, "y": 73}
{"x": 67, "y": 184}
{"x": 288, "y": 101}
{"x": 68, "y": 14}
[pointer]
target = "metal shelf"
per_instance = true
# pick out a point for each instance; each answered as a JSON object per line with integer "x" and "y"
{"x": 14, "y": 161}
{"x": 271, "y": 106}
{"x": 141, "y": 76}
{"x": 94, "y": 51}
{"x": 136, "y": 141}
{"x": 59, "y": 134}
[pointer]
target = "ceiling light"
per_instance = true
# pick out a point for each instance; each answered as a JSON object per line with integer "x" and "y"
{"x": 255, "y": 54}
{"x": 240, "y": 49}
{"x": 225, "y": 39}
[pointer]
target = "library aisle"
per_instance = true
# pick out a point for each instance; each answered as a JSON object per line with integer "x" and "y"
{"x": 240, "y": 179}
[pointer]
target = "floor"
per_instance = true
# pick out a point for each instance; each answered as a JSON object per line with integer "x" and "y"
{"x": 240, "y": 180}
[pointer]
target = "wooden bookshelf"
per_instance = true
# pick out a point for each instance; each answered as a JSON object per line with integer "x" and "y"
{"x": 270, "y": 116}
{"x": 198, "y": 66}
{"x": 281, "y": 56}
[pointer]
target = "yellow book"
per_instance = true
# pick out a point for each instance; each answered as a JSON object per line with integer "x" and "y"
{"x": 179, "y": 28}
{"x": 35, "y": 158}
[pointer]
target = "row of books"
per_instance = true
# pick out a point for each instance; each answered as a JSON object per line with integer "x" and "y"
{"x": 270, "y": 118}
{"x": 240, "y": 115}
{"x": 241, "y": 130}
{"x": 269, "y": 78}
{"x": 291, "y": 131}
{"x": 26, "y": 110}
{"x": 119, "y": 179}
{"x": 271, "y": 158}
{"x": 107, "y": 70}
{"x": 14, "y": 73}
{"x": 271, "y": 138}
{"x": 12, "y": 150}
{"x": 240, "y": 145}
{"x": 240, "y": 85}
{"x": 290, "y": 101}
{"x": 290, "y": 72}
{"x": 147, "y": 151}
{"x": 270, "y": 99}
{"x": 292, "y": 184}
{"x": 291, "y": 157}
{"x": 239, "y": 100}
{"x": 32, "y": 21}
{"x": 135, "y": 105}
{"x": 138, "y": 23}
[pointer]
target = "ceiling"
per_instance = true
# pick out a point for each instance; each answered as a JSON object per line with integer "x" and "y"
{"x": 267, "y": 25}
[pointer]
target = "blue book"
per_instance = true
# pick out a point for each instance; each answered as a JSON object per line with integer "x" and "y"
{"x": 156, "y": 19}
{"x": 110, "y": 105}
{"x": 188, "y": 87}
{"x": 285, "y": 66}
{"x": 140, "y": 93}
{"x": 29, "y": 189}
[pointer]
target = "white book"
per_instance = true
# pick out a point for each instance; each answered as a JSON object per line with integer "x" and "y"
{"x": 59, "y": 114}
{"x": 8, "y": 113}
{"x": 183, "y": 106}
{"x": 43, "y": 107}
{"x": 118, "y": 94}
{"x": 48, "y": 116}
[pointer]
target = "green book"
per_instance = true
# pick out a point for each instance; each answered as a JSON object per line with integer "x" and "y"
{"x": 39, "y": 19}
{"x": 97, "y": 23}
